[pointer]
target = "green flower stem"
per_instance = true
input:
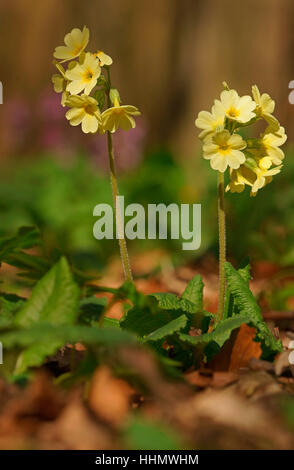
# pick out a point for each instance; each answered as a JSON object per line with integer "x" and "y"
{"x": 222, "y": 245}
{"x": 114, "y": 185}
{"x": 120, "y": 229}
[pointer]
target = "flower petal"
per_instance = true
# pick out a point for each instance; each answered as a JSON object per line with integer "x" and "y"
{"x": 89, "y": 124}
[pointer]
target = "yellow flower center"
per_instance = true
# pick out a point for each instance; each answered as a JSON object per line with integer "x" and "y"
{"x": 258, "y": 110}
{"x": 224, "y": 149}
{"x": 87, "y": 76}
{"x": 233, "y": 112}
{"x": 89, "y": 109}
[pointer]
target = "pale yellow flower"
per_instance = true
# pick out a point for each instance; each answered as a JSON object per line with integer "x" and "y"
{"x": 104, "y": 59}
{"x": 119, "y": 116}
{"x": 236, "y": 108}
{"x": 239, "y": 178}
{"x": 59, "y": 83}
{"x": 265, "y": 107}
{"x": 265, "y": 163}
{"x": 224, "y": 150}
{"x": 75, "y": 42}
{"x": 270, "y": 143}
{"x": 255, "y": 173}
{"x": 84, "y": 110}
{"x": 263, "y": 177}
{"x": 83, "y": 76}
{"x": 210, "y": 122}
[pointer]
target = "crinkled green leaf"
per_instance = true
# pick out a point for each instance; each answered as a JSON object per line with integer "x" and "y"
{"x": 168, "y": 329}
{"x": 144, "y": 319}
{"x": 243, "y": 297}
{"x": 230, "y": 307}
{"x": 247, "y": 305}
{"x": 219, "y": 335}
{"x": 54, "y": 299}
{"x": 198, "y": 318}
{"x": 244, "y": 272}
{"x": 172, "y": 302}
{"x": 194, "y": 292}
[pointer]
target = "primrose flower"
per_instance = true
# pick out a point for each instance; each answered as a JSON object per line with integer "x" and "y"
{"x": 84, "y": 110}
{"x": 255, "y": 173}
{"x": 103, "y": 58}
{"x": 239, "y": 178}
{"x": 210, "y": 122}
{"x": 236, "y": 108}
{"x": 224, "y": 150}
{"x": 119, "y": 116}
{"x": 83, "y": 76}
{"x": 270, "y": 143}
{"x": 59, "y": 83}
{"x": 75, "y": 42}
{"x": 263, "y": 177}
{"x": 265, "y": 106}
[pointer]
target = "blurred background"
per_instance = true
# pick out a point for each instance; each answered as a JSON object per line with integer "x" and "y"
{"x": 170, "y": 58}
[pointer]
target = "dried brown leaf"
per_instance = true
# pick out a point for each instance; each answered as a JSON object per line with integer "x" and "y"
{"x": 109, "y": 396}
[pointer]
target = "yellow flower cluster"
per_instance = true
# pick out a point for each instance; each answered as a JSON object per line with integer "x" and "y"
{"x": 252, "y": 162}
{"x": 83, "y": 76}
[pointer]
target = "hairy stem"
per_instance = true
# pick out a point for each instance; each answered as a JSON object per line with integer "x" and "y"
{"x": 120, "y": 229}
{"x": 222, "y": 245}
{"x": 114, "y": 185}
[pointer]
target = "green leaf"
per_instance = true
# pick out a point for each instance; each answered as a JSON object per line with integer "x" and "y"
{"x": 241, "y": 293}
{"x": 54, "y": 299}
{"x": 91, "y": 309}
{"x": 219, "y": 336}
{"x": 142, "y": 434}
{"x": 247, "y": 305}
{"x": 99, "y": 95}
{"x": 244, "y": 272}
{"x": 44, "y": 339}
{"x": 110, "y": 323}
{"x": 168, "y": 329}
{"x": 27, "y": 237}
{"x": 9, "y": 305}
{"x": 127, "y": 291}
{"x": 101, "y": 80}
{"x": 194, "y": 292}
{"x": 144, "y": 319}
{"x": 34, "y": 267}
{"x": 230, "y": 307}
{"x": 45, "y": 332}
{"x": 172, "y": 302}
{"x": 198, "y": 318}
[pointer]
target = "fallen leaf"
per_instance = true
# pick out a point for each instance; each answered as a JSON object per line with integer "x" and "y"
{"x": 244, "y": 348}
{"x": 109, "y": 397}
